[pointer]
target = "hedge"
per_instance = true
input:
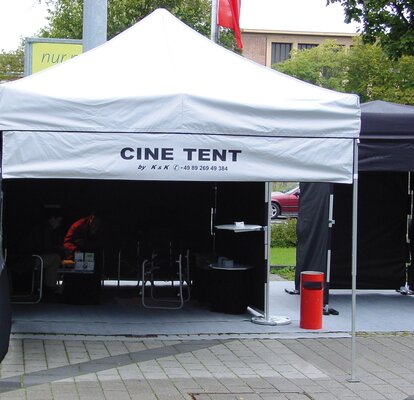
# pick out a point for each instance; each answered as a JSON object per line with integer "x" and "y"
{"x": 284, "y": 234}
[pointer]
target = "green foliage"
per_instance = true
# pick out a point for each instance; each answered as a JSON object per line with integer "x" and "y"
{"x": 227, "y": 40}
{"x": 11, "y": 65}
{"x": 374, "y": 76}
{"x": 362, "y": 69}
{"x": 284, "y": 234}
{"x": 66, "y": 17}
{"x": 322, "y": 65}
{"x": 283, "y": 186}
{"x": 283, "y": 256}
{"x": 391, "y": 23}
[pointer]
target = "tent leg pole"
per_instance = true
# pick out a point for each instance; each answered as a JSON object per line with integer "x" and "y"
{"x": 331, "y": 222}
{"x": 354, "y": 262}
{"x": 407, "y": 288}
{"x": 267, "y": 313}
{"x": 266, "y": 319}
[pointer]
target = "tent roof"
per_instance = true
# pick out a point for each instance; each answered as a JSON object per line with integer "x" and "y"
{"x": 387, "y": 137}
{"x": 381, "y": 119}
{"x": 160, "y": 76}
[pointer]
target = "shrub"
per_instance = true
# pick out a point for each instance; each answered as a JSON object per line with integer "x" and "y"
{"x": 284, "y": 234}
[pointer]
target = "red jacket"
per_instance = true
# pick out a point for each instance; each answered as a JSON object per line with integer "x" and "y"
{"x": 81, "y": 238}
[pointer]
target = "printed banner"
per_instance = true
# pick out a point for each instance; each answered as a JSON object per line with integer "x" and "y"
{"x": 175, "y": 157}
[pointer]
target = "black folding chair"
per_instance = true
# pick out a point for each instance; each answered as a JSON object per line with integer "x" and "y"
{"x": 26, "y": 277}
{"x": 165, "y": 265}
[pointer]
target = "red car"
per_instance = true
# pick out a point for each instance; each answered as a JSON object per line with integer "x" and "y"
{"x": 285, "y": 203}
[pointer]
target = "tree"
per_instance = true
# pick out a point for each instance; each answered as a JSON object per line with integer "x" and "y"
{"x": 362, "y": 69}
{"x": 322, "y": 65}
{"x": 65, "y": 16}
{"x": 374, "y": 76}
{"x": 389, "y": 22}
{"x": 11, "y": 65}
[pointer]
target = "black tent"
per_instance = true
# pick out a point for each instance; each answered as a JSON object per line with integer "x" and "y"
{"x": 385, "y": 160}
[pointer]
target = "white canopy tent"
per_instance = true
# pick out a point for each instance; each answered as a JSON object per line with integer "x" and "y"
{"x": 173, "y": 86}
{"x": 162, "y": 102}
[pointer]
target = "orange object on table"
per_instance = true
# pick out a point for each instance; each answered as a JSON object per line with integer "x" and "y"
{"x": 68, "y": 264}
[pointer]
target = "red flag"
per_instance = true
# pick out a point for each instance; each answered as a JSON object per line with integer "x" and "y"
{"x": 228, "y": 16}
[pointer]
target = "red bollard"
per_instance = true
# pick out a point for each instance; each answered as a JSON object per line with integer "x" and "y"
{"x": 311, "y": 299}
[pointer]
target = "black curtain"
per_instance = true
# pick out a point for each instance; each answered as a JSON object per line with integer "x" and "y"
{"x": 383, "y": 205}
{"x": 382, "y": 224}
{"x": 312, "y": 229}
{"x": 5, "y": 314}
{"x": 5, "y": 310}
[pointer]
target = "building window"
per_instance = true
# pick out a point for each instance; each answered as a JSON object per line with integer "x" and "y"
{"x": 305, "y": 46}
{"x": 280, "y": 52}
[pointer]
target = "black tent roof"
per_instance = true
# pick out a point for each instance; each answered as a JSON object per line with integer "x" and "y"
{"x": 387, "y": 137}
{"x": 381, "y": 119}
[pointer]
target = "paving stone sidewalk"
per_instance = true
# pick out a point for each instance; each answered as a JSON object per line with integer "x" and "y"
{"x": 204, "y": 368}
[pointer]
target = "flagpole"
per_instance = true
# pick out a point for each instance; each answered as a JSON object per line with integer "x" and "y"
{"x": 95, "y": 21}
{"x": 214, "y": 26}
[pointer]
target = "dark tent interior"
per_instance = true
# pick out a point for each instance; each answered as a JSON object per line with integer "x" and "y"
{"x": 142, "y": 211}
{"x": 385, "y": 162}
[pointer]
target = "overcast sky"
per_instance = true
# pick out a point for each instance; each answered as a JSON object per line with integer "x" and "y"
{"x": 19, "y": 18}
{"x": 294, "y": 15}
{"x": 23, "y": 18}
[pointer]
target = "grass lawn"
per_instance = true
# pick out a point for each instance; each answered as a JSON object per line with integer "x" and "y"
{"x": 285, "y": 261}
{"x": 283, "y": 256}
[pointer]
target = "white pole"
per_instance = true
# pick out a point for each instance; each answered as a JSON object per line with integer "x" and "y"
{"x": 214, "y": 27}
{"x": 329, "y": 254}
{"x": 267, "y": 244}
{"x": 354, "y": 262}
{"x": 95, "y": 15}
{"x": 266, "y": 319}
{"x": 330, "y": 224}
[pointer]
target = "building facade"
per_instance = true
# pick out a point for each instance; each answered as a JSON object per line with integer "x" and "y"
{"x": 270, "y": 47}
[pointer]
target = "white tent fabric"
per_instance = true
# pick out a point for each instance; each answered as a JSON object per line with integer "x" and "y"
{"x": 161, "y": 102}
{"x": 160, "y": 87}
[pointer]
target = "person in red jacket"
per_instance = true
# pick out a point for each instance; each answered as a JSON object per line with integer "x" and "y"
{"x": 84, "y": 235}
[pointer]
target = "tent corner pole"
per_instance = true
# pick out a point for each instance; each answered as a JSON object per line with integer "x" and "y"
{"x": 353, "y": 377}
{"x": 326, "y": 309}
{"x": 266, "y": 319}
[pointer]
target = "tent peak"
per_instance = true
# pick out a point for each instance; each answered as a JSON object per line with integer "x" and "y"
{"x": 161, "y": 11}
{"x": 159, "y": 76}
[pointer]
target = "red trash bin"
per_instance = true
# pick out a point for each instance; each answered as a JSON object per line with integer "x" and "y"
{"x": 311, "y": 299}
